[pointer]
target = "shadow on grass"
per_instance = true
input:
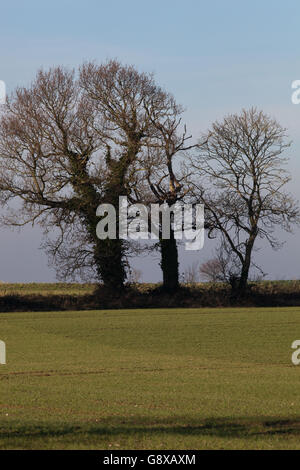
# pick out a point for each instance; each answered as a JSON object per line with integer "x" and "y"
{"x": 144, "y": 426}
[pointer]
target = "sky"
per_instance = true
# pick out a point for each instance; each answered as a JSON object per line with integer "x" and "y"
{"x": 216, "y": 57}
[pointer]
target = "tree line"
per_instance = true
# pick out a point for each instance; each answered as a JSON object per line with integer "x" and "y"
{"x": 75, "y": 139}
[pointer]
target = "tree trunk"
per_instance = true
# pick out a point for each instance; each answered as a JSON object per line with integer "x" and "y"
{"x": 169, "y": 263}
{"x": 109, "y": 259}
{"x": 243, "y": 281}
{"x": 109, "y": 255}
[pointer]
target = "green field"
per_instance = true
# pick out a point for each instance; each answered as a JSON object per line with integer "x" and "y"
{"x": 46, "y": 289}
{"x": 150, "y": 379}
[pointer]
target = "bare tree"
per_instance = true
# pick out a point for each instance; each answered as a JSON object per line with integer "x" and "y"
{"x": 135, "y": 276}
{"x": 70, "y": 143}
{"x": 50, "y": 162}
{"x": 211, "y": 270}
{"x": 141, "y": 123}
{"x": 167, "y": 185}
{"x": 239, "y": 176}
{"x": 155, "y": 176}
{"x": 225, "y": 267}
{"x": 191, "y": 273}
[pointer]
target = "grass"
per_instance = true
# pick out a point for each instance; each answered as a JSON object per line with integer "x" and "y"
{"x": 150, "y": 379}
{"x": 45, "y": 289}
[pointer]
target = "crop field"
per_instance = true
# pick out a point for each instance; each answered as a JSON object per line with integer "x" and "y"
{"x": 46, "y": 289}
{"x": 76, "y": 289}
{"x": 150, "y": 379}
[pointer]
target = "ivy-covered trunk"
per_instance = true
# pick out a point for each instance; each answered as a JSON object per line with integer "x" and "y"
{"x": 169, "y": 263}
{"x": 109, "y": 255}
{"x": 109, "y": 259}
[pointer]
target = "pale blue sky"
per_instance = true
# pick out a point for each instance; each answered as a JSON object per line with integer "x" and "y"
{"x": 215, "y": 56}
